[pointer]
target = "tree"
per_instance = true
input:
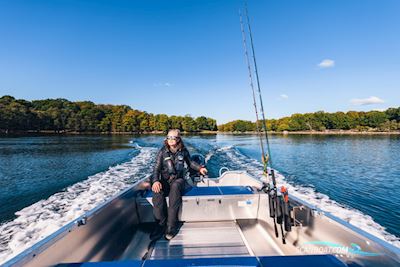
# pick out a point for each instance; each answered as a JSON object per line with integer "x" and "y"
{"x": 89, "y": 115}
{"x": 212, "y": 124}
{"x": 237, "y": 126}
{"x": 117, "y": 117}
{"x": 105, "y": 124}
{"x": 339, "y": 120}
{"x": 389, "y": 126}
{"x": 297, "y": 122}
{"x": 375, "y": 118}
{"x": 144, "y": 119}
{"x": 15, "y": 114}
{"x": 283, "y": 124}
{"x": 176, "y": 122}
{"x": 354, "y": 119}
{"x": 393, "y": 114}
{"x": 202, "y": 123}
{"x": 131, "y": 122}
{"x": 161, "y": 123}
{"x": 189, "y": 124}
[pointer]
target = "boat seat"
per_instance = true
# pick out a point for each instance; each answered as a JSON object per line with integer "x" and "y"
{"x": 211, "y": 191}
{"x": 208, "y": 203}
{"x": 236, "y": 190}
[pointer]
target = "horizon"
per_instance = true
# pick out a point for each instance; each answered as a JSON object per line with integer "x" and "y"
{"x": 335, "y": 56}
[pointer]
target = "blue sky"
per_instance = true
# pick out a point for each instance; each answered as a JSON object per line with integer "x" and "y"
{"x": 186, "y": 57}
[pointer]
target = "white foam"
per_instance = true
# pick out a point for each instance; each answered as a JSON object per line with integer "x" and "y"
{"x": 214, "y": 151}
{"x": 319, "y": 200}
{"x": 43, "y": 218}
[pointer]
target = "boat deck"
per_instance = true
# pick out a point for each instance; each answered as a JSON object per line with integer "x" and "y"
{"x": 203, "y": 240}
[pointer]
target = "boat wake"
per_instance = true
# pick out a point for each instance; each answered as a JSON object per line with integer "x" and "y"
{"x": 235, "y": 160}
{"x": 43, "y": 218}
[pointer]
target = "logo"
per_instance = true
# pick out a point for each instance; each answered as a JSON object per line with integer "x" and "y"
{"x": 326, "y": 247}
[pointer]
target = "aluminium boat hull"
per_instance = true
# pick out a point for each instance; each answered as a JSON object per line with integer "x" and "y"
{"x": 224, "y": 219}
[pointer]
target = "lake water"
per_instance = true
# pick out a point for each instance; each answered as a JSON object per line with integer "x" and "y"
{"x": 48, "y": 181}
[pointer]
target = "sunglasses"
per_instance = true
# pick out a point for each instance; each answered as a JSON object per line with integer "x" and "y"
{"x": 172, "y": 138}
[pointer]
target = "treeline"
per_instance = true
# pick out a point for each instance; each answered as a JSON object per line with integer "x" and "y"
{"x": 61, "y": 115}
{"x": 388, "y": 120}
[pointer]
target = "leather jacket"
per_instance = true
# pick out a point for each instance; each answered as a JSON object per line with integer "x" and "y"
{"x": 179, "y": 160}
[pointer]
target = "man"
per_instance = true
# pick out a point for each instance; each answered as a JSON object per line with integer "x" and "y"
{"x": 168, "y": 180}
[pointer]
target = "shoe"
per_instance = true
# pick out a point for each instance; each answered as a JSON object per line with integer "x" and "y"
{"x": 171, "y": 233}
{"x": 157, "y": 232}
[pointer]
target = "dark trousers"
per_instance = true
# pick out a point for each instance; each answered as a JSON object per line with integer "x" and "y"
{"x": 162, "y": 214}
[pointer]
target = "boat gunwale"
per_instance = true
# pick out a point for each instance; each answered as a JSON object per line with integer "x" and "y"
{"x": 329, "y": 215}
{"x": 48, "y": 241}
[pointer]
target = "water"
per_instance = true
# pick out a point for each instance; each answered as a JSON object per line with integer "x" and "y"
{"x": 45, "y": 182}
{"x": 33, "y": 168}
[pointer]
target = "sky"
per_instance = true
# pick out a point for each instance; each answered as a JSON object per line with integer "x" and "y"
{"x": 186, "y": 57}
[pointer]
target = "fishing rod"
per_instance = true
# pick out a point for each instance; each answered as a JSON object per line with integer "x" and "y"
{"x": 272, "y": 192}
{"x": 267, "y": 158}
{"x": 251, "y": 85}
{"x": 279, "y": 207}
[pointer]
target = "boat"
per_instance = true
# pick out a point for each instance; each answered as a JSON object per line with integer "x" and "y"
{"x": 226, "y": 221}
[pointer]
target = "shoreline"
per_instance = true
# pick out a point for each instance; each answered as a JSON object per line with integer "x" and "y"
{"x": 319, "y": 133}
{"x": 338, "y": 132}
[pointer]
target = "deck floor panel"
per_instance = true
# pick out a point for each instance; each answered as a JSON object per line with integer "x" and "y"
{"x": 202, "y": 239}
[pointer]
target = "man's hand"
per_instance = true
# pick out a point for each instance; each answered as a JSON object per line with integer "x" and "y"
{"x": 156, "y": 187}
{"x": 203, "y": 171}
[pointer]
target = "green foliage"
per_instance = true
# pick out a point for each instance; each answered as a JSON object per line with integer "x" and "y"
{"x": 388, "y": 120}
{"x": 15, "y": 114}
{"x": 161, "y": 123}
{"x": 392, "y": 125}
{"x": 237, "y": 126}
{"x": 189, "y": 124}
{"x": 393, "y": 114}
{"x": 61, "y": 115}
{"x": 297, "y": 122}
{"x": 176, "y": 122}
{"x": 374, "y": 118}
